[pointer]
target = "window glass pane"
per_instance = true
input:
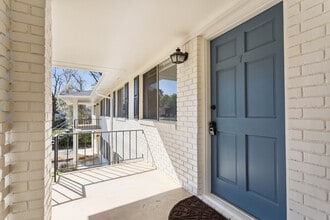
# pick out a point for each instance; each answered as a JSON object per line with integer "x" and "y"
{"x": 167, "y": 94}
{"x": 101, "y": 108}
{"x": 108, "y": 106}
{"x": 120, "y": 96}
{"x": 150, "y": 95}
{"x": 125, "y": 107}
{"x": 114, "y": 104}
{"x": 136, "y": 97}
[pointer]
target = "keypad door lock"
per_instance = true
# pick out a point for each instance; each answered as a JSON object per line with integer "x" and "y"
{"x": 212, "y": 128}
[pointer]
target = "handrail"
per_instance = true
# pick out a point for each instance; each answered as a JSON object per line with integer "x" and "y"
{"x": 86, "y": 123}
{"x": 78, "y": 150}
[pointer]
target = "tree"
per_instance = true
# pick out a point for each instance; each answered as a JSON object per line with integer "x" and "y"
{"x": 67, "y": 81}
{"x": 95, "y": 75}
{"x": 57, "y": 86}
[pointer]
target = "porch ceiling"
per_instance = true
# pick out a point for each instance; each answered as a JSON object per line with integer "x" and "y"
{"x": 122, "y": 37}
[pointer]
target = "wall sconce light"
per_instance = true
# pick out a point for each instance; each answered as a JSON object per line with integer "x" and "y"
{"x": 178, "y": 57}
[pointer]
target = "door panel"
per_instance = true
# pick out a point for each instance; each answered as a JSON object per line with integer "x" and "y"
{"x": 248, "y": 152}
{"x": 227, "y": 157}
{"x": 226, "y": 84}
{"x": 259, "y": 77}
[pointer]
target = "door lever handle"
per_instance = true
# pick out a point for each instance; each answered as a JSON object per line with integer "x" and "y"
{"x": 213, "y": 128}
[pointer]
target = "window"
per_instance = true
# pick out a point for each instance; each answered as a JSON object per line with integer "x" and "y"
{"x": 122, "y": 94}
{"x": 160, "y": 92}
{"x": 102, "y": 108}
{"x": 126, "y": 100}
{"x": 114, "y": 104}
{"x": 107, "y": 112}
{"x": 136, "y": 97}
{"x": 167, "y": 94}
{"x": 150, "y": 94}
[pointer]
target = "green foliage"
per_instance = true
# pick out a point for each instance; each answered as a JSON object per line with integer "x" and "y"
{"x": 66, "y": 141}
{"x": 167, "y": 106}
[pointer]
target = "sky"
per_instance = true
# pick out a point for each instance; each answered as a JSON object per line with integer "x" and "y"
{"x": 168, "y": 86}
{"x": 89, "y": 80}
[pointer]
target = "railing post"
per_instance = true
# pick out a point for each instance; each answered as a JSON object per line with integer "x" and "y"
{"x": 55, "y": 156}
{"x": 109, "y": 149}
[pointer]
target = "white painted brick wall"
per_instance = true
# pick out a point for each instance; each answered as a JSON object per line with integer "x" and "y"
{"x": 175, "y": 145}
{"x": 307, "y": 107}
{"x": 25, "y": 103}
{"x": 4, "y": 108}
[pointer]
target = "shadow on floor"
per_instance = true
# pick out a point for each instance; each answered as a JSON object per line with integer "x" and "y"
{"x": 155, "y": 207}
{"x": 71, "y": 186}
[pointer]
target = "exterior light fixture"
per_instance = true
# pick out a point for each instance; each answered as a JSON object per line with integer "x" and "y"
{"x": 178, "y": 57}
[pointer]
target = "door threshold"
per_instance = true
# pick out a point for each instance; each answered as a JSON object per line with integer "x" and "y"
{"x": 228, "y": 210}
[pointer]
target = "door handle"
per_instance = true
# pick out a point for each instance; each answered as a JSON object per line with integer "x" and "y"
{"x": 212, "y": 128}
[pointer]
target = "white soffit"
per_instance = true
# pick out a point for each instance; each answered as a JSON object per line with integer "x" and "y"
{"x": 122, "y": 35}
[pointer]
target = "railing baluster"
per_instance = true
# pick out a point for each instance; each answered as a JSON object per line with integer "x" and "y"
{"x": 67, "y": 150}
{"x": 103, "y": 147}
{"x": 135, "y": 144}
{"x": 123, "y": 146}
{"x": 109, "y": 153}
{"x": 130, "y": 145}
{"x": 55, "y": 157}
{"x": 116, "y": 147}
{"x": 93, "y": 148}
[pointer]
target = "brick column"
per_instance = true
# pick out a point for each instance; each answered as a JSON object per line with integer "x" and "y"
{"x": 4, "y": 107}
{"x": 30, "y": 93}
{"x": 307, "y": 51}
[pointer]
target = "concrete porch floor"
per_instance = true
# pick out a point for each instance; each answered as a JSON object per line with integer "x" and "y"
{"x": 124, "y": 191}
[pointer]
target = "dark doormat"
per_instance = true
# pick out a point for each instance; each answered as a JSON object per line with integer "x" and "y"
{"x": 193, "y": 208}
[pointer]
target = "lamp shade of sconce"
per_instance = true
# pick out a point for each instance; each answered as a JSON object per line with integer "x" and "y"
{"x": 178, "y": 57}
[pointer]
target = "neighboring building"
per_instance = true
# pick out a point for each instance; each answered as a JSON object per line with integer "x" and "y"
{"x": 259, "y": 69}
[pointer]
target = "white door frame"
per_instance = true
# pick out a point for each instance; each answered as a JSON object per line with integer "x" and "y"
{"x": 248, "y": 10}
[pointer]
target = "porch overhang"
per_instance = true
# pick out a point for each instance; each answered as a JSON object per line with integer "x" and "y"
{"x": 77, "y": 98}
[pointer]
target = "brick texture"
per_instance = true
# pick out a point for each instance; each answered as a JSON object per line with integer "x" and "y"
{"x": 178, "y": 147}
{"x": 307, "y": 89}
{"x": 5, "y": 122}
{"x": 25, "y": 103}
{"x": 175, "y": 145}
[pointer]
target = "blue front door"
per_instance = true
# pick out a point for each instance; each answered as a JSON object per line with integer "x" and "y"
{"x": 248, "y": 151}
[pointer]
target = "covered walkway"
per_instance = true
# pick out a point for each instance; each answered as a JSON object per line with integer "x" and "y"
{"x": 124, "y": 191}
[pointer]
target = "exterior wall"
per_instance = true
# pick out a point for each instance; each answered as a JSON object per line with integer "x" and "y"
{"x": 179, "y": 148}
{"x": 307, "y": 51}
{"x": 174, "y": 145}
{"x": 4, "y": 107}
{"x": 186, "y": 148}
{"x": 25, "y": 143}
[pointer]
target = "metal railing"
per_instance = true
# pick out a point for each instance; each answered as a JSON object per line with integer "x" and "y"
{"x": 81, "y": 150}
{"x": 87, "y": 123}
